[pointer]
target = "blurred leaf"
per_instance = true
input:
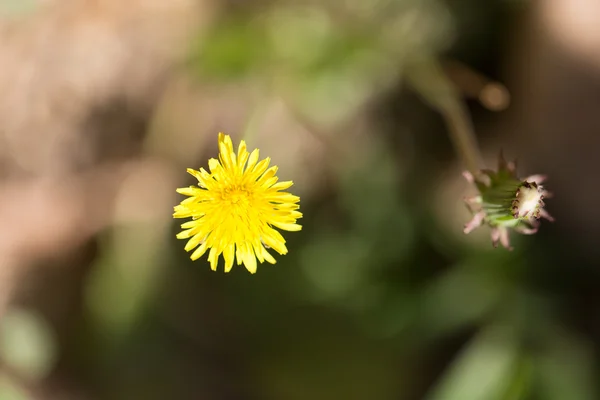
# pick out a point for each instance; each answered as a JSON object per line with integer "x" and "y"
{"x": 317, "y": 356}
{"x": 369, "y": 190}
{"x": 233, "y": 50}
{"x": 123, "y": 280}
{"x": 391, "y": 316}
{"x": 336, "y": 265}
{"x": 411, "y": 29}
{"x": 27, "y": 343}
{"x": 342, "y": 262}
{"x": 330, "y": 96}
{"x": 370, "y": 194}
{"x": 17, "y": 8}
{"x": 519, "y": 387}
{"x": 456, "y": 299}
{"x": 565, "y": 368}
{"x": 299, "y": 35}
{"x": 482, "y": 371}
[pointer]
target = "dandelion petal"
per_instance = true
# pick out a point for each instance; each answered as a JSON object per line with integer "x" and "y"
{"x": 235, "y": 207}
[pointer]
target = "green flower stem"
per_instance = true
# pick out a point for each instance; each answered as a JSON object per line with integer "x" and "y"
{"x": 429, "y": 80}
{"x": 462, "y": 136}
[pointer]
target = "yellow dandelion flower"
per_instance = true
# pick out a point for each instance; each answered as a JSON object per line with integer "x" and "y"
{"x": 235, "y": 207}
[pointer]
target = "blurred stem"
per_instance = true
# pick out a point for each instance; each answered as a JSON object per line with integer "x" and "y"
{"x": 430, "y": 81}
{"x": 491, "y": 94}
{"x": 461, "y": 133}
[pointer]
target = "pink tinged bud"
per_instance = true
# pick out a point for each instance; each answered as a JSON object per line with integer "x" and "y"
{"x": 505, "y": 202}
{"x": 544, "y": 214}
{"x": 512, "y": 167}
{"x": 526, "y": 231}
{"x": 469, "y": 177}
{"x": 536, "y": 178}
{"x": 475, "y": 222}
{"x": 500, "y": 235}
{"x": 472, "y": 203}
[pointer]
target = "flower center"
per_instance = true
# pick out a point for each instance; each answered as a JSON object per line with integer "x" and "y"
{"x": 236, "y": 196}
{"x": 527, "y": 201}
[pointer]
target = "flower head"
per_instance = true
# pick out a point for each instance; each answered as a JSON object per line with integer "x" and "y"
{"x": 235, "y": 207}
{"x": 506, "y": 202}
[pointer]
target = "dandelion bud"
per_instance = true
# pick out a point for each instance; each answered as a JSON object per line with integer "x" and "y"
{"x": 506, "y": 202}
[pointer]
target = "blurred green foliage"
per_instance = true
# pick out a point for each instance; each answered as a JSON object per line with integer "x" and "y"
{"x": 27, "y": 344}
{"x": 17, "y": 8}
{"x": 376, "y": 299}
{"x": 326, "y": 59}
{"x": 10, "y": 391}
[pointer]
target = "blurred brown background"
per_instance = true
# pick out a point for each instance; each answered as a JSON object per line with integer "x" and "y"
{"x": 103, "y": 104}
